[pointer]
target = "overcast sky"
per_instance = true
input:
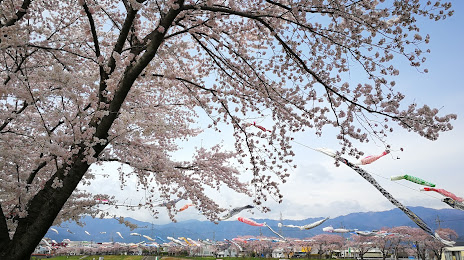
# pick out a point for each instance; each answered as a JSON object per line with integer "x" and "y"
{"x": 319, "y": 189}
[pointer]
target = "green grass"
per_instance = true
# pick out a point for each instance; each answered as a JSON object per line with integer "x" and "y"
{"x": 249, "y": 258}
{"x": 214, "y": 258}
{"x": 229, "y": 258}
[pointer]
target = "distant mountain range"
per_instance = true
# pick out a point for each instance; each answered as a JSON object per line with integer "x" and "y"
{"x": 444, "y": 218}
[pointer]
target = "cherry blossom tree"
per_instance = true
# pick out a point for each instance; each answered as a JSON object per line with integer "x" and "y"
{"x": 435, "y": 246}
{"x": 389, "y": 240}
{"x": 326, "y": 243}
{"x": 92, "y": 82}
{"x": 256, "y": 247}
{"x": 419, "y": 242}
{"x": 362, "y": 244}
{"x": 262, "y": 247}
{"x": 416, "y": 238}
{"x": 176, "y": 250}
{"x": 398, "y": 242}
{"x": 384, "y": 244}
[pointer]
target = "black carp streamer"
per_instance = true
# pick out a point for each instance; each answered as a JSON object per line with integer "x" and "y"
{"x": 454, "y": 203}
{"x": 235, "y": 211}
{"x": 419, "y": 222}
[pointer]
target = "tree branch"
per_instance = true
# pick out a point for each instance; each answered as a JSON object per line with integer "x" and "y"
{"x": 19, "y": 14}
{"x": 187, "y": 81}
{"x": 31, "y": 177}
{"x": 266, "y": 86}
{"x": 189, "y": 167}
{"x": 122, "y": 38}
{"x": 112, "y": 20}
{"x": 9, "y": 119}
{"x": 103, "y": 74}
{"x": 132, "y": 72}
{"x": 59, "y": 49}
{"x": 296, "y": 58}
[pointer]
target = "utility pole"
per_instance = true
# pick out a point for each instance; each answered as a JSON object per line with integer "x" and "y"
{"x": 342, "y": 226}
{"x": 152, "y": 227}
{"x": 280, "y": 228}
{"x": 438, "y": 222}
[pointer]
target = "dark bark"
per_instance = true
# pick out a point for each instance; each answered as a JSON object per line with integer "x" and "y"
{"x": 42, "y": 211}
{"x": 4, "y": 236}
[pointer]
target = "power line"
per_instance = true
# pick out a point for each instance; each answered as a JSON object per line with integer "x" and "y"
{"x": 458, "y": 219}
{"x": 397, "y": 183}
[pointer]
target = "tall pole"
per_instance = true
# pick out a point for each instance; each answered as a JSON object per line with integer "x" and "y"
{"x": 438, "y": 222}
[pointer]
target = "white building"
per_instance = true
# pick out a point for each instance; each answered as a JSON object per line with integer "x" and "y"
{"x": 278, "y": 253}
{"x": 453, "y": 253}
{"x": 229, "y": 252}
{"x": 207, "y": 250}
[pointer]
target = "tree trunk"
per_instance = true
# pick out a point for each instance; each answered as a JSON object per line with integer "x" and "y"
{"x": 384, "y": 254}
{"x": 438, "y": 253}
{"x": 42, "y": 211}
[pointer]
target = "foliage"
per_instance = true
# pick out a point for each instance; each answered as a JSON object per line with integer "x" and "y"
{"x": 362, "y": 244}
{"x": 327, "y": 243}
{"x": 388, "y": 241}
{"x": 436, "y": 247}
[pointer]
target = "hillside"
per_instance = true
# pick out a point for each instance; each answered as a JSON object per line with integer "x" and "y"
{"x": 448, "y": 218}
